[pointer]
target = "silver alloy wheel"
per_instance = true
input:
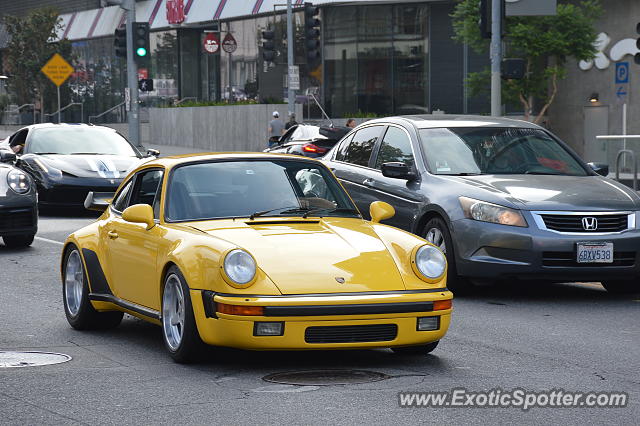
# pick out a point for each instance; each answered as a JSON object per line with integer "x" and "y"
{"x": 73, "y": 283}
{"x": 173, "y": 317}
{"x": 435, "y": 237}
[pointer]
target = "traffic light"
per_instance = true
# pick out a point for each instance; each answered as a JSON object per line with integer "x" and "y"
{"x": 268, "y": 46}
{"x": 636, "y": 58}
{"x": 120, "y": 41}
{"x": 312, "y": 34}
{"x": 140, "y": 39}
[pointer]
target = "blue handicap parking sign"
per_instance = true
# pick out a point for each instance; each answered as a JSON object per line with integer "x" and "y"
{"x": 622, "y": 73}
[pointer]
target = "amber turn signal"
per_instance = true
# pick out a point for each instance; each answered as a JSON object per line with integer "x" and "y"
{"x": 441, "y": 305}
{"x": 239, "y": 309}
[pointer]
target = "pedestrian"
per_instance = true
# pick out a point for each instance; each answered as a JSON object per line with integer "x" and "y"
{"x": 276, "y": 129}
{"x": 351, "y": 123}
{"x": 292, "y": 121}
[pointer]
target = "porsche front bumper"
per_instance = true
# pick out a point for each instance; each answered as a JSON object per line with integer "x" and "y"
{"x": 323, "y": 321}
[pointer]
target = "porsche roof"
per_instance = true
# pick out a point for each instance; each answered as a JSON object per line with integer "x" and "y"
{"x": 172, "y": 161}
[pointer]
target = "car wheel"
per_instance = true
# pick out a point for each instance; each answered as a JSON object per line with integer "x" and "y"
{"x": 18, "y": 240}
{"x": 416, "y": 350}
{"x": 179, "y": 330}
{"x": 80, "y": 314}
{"x": 622, "y": 286}
{"x": 437, "y": 233}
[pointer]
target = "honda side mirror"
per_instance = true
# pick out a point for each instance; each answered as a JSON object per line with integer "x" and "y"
{"x": 397, "y": 170}
{"x": 600, "y": 168}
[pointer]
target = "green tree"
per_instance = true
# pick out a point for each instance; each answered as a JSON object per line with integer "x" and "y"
{"x": 544, "y": 42}
{"x": 33, "y": 43}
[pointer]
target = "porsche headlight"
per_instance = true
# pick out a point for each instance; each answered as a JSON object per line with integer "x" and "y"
{"x": 49, "y": 171}
{"x": 18, "y": 181}
{"x": 430, "y": 262}
{"x": 239, "y": 266}
{"x": 489, "y": 212}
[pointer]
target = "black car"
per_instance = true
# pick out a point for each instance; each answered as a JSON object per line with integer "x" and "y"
{"x": 18, "y": 204}
{"x": 503, "y": 199}
{"x": 309, "y": 140}
{"x": 66, "y": 161}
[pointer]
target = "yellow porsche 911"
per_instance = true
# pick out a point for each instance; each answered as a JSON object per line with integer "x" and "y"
{"x": 253, "y": 251}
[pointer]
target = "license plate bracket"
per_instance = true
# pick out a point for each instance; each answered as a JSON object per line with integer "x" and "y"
{"x": 590, "y": 252}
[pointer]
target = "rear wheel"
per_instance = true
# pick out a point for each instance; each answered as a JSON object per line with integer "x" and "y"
{"x": 437, "y": 233}
{"x": 17, "y": 241}
{"x": 622, "y": 286}
{"x": 416, "y": 350}
{"x": 179, "y": 330}
{"x": 80, "y": 314}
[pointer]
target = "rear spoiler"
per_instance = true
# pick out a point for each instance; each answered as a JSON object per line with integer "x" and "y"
{"x": 98, "y": 201}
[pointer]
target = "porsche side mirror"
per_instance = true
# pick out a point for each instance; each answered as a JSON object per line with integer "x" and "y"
{"x": 139, "y": 213}
{"x": 98, "y": 201}
{"x": 600, "y": 168}
{"x": 7, "y": 157}
{"x": 397, "y": 170}
{"x": 379, "y": 210}
{"x": 152, "y": 152}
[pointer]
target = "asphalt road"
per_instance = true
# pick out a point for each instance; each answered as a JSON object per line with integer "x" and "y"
{"x": 537, "y": 337}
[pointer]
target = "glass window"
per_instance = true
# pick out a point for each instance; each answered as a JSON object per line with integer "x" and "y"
{"x": 473, "y": 150}
{"x": 395, "y": 147}
{"x": 146, "y": 188}
{"x": 242, "y": 188}
{"x": 361, "y": 146}
{"x": 79, "y": 140}
{"x": 341, "y": 151}
{"x": 120, "y": 202}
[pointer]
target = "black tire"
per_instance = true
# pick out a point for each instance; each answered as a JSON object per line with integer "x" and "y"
{"x": 455, "y": 283}
{"x": 189, "y": 347}
{"x": 622, "y": 286}
{"x": 85, "y": 317}
{"x": 416, "y": 350}
{"x": 18, "y": 241}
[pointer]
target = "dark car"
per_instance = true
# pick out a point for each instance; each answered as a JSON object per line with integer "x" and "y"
{"x": 504, "y": 199}
{"x": 309, "y": 140}
{"x": 66, "y": 161}
{"x": 18, "y": 204}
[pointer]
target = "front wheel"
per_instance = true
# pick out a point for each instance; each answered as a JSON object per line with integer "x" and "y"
{"x": 622, "y": 286}
{"x": 416, "y": 350}
{"x": 18, "y": 241}
{"x": 80, "y": 314}
{"x": 179, "y": 330}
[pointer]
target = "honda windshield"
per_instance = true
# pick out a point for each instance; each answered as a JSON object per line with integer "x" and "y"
{"x": 490, "y": 150}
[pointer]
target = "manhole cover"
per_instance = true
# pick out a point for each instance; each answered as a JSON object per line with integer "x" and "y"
{"x": 10, "y": 359}
{"x": 325, "y": 377}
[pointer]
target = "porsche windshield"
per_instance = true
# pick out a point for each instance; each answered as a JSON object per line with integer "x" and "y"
{"x": 490, "y": 150}
{"x": 255, "y": 188}
{"x": 78, "y": 140}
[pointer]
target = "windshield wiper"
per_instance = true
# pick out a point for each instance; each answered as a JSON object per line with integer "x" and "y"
{"x": 263, "y": 212}
{"x": 330, "y": 210}
{"x": 461, "y": 174}
{"x": 543, "y": 173}
{"x": 44, "y": 153}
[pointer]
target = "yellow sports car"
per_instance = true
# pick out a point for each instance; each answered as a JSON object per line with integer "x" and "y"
{"x": 253, "y": 251}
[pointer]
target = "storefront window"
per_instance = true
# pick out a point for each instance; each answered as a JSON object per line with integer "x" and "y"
{"x": 164, "y": 63}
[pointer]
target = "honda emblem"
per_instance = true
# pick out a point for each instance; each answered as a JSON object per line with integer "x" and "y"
{"x": 589, "y": 223}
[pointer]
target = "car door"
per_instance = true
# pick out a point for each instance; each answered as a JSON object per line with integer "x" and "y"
{"x": 352, "y": 165}
{"x": 405, "y": 196}
{"x": 132, "y": 249}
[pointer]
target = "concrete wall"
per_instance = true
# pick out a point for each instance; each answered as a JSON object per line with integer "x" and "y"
{"x": 215, "y": 128}
{"x": 567, "y": 113}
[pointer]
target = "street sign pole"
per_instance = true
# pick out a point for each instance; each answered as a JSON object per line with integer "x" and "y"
{"x": 59, "y": 121}
{"x": 291, "y": 93}
{"x": 132, "y": 75}
{"x": 496, "y": 57}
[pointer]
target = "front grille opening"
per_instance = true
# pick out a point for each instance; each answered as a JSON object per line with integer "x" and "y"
{"x": 573, "y": 223}
{"x": 568, "y": 258}
{"x": 351, "y": 333}
{"x": 15, "y": 219}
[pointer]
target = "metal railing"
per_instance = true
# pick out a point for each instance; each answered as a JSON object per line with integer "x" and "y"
{"x": 27, "y": 105}
{"x": 66, "y": 107}
{"x": 93, "y": 117}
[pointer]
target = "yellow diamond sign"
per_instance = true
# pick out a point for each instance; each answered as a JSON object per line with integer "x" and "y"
{"x": 57, "y": 69}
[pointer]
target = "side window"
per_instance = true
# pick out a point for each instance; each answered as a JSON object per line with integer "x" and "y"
{"x": 146, "y": 188}
{"x": 395, "y": 147}
{"x": 342, "y": 148}
{"x": 120, "y": 202}
{"x": 361, "y": 146}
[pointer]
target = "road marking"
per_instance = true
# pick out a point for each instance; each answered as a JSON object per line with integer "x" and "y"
{"x": 46, "y": 240}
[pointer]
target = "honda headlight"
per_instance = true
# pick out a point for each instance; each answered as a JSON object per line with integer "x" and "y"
{"x": 429, "y": 263}
{"x": 489, "y": 212}
{"x": 18, "y": 181}
{"x": 239, "y": 267}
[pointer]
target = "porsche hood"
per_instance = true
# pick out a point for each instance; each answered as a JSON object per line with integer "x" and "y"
{"x": 100, "y": 166}
{"x": 304, "y": 256}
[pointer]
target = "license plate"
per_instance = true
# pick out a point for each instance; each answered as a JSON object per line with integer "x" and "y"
{"x": 595, "y": 253}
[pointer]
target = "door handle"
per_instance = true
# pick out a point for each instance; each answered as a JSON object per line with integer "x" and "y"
{"x": 367, "y": 182}
{"x": 112, "y": 234}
